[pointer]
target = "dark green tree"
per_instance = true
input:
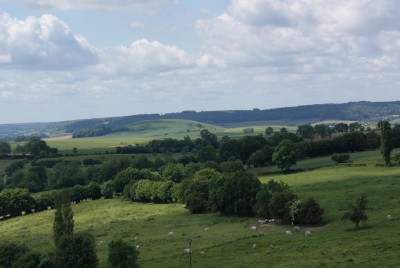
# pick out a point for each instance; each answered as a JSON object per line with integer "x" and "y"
{"x": 356, "y": 213}
{"x": 269, "y": 131}
{"x": 321, "y": 130}
{"x": 386, "y": 142}
{"x": 5, "y": 147}
{"x": 305, "y": 131}
{"x": 122, "y": 255}
{"x": 78, "y": 251}
{"x": 63, "y": 225}
{"x": 285, "y": 154}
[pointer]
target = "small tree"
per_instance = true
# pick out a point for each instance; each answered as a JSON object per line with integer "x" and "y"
{"x": 285, "y": 154}
{"x": 340, "y": 158}
{"x": 386, "y": 141}
{"x": 122, "y": 255}
{"x": 356, "y": 212}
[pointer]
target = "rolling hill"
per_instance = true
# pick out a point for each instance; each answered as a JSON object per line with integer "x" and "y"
{"x": 367, "y": 112}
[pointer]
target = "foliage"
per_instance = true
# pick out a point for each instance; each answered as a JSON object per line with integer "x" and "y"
{"x": 285, "y": 154}
{"x": 386, "y": 142}
{"x": 356, "y": 212}
{"x": 77, "y": 250}
{"x": 10, "y": 253}
{"x": 14, "y": 201}
{"x": 305, "y": 131}
{"x": 269, "y": 131}
{"x": 340, "y": 158}
{"x": 5, "y": 147}
{"x": 279, "y": 207}
{"x": 309, "y": 213}
{"x": 107, "y": 189}
{"x": 92, "y": 132}
{"x": 122, "y": 255}
{"x": 63, "y": 225}
{"x": 238, "y": 194}
{"x": 172, "y": 172}
{"x": 264, "y": 196}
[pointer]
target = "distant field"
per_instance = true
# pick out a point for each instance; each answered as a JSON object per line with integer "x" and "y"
{"x": 229, "y": 241}
{"x": 145, "y": 131}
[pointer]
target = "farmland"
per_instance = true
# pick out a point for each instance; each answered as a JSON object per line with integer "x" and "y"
{"x": 229, "y": 240}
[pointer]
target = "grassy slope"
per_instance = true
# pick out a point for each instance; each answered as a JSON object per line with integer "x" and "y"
{"x": 144, "y": 131}
{"x": 229, "y": 241}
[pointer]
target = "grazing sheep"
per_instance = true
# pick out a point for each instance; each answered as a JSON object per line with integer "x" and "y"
{"x": 271, "y": 246}
{"x": 206, "y": 229}
{"x": 389, "y": 217}
{"x": 271, "y": 220}
{"x": 187, "y": 250}
{"x": 253, "y": 228}
{"x": 289, "y": 233}
{"x": 307, "y": 233}
{"x": 296, "y": 228}
{"x": 171, "y": 234}
{"x": 137, "y": 247}
{"x": 259, "y": 234}
{"x": 263, "y": 221}
{"x": 202, "y": 252}
{"x": 101, "y": 242}
{"x": 254, "y": 246}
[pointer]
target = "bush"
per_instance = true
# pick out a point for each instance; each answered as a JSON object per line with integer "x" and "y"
{"x": 10, "y": 252}
{"x": 279, "y": 208}
{"x": 340, "y": 158}
{"x": 310, "y": 213}
{"x": 122, "y": 255}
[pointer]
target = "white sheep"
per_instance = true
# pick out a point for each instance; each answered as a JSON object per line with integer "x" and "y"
{"x": 206, "y": 229}
{"x": 101, "y": 242}
{"x": 171, "y": 234}
{"x": 187, "y": 250}
{"x": 307, "y": 233}
{"x": 389, "y": 217}
{"x": 254, "y": 246}
{"x": 296, "y": 228}
{"x": 289, "y": 233}
{"x": 253, "y": 228}
{"x": 137, "y": 247}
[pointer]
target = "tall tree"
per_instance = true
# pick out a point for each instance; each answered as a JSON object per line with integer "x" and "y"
{"x": 285, "y": 154}
{"x": 305, "y": 131}
{"x": 386, "y": 141}
{"x": 63, "y": 225}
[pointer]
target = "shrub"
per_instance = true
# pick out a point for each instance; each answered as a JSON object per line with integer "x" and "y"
{"x": 10, "y": 252}
{"x": 340, "y": 158}
{"x": 279, "y": 208}
{"x": 122, "y": 255}
{"x": 310, "y": 213}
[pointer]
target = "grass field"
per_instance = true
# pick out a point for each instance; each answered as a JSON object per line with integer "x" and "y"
{"x": 229, "y": 241}
{"x": 144, "y": 131}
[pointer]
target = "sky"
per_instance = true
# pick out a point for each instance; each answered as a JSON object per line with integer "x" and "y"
{"x": 76, "y": 59}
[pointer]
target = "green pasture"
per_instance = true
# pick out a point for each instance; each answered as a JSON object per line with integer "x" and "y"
{"x": 229, "y": 240}
{"x": 144, "y": 131}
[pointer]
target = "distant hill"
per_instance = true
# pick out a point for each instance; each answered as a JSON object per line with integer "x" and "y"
{"x": 362, "y": 111}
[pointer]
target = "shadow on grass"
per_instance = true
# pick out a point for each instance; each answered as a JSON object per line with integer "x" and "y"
{"x": 360, "y": 228}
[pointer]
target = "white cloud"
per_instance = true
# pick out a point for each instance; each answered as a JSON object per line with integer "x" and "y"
{"x": 142, "y": 57}
{"x": 41, "y": 43}
{"x": 137, "y": 6}
{"x": 303, "y": 36}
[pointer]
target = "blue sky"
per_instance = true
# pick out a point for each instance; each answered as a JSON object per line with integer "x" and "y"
{"x": 70, "y": 59}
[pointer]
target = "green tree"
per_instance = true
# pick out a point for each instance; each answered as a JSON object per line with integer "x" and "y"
{"x": 269, "y": 131}
{"x": 305, "y": 131}
{"x": 172, "y": 172}
{"x": 122, "y": 255}
{"x": 5, "y": 147}
{"x": 356, "y": 213}
{"x": 285, "y": 154}
{"x": 355, "y": 127}
{"x": 209, "y": 138}
{"x": 63, "y": 225}
{"x": 321, "y": 130}
{"x": 207, "y": 153}
{"x": 386, "y": 141}
{"x": 78, "y": 251}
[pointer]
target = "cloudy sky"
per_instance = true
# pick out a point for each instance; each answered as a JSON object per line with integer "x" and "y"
{"x": 74, "y": 59}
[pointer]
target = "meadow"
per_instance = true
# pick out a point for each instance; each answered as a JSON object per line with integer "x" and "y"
{"x": 229, "y": 240}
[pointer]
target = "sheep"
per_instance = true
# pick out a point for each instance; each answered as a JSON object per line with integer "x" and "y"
{"x": 201, "y": 252}
{"x": 170, "y": 234}
{"x": 101, "y": 242}
{"x": 296, "y": 228}
{"x": 271, "y": 246}
{"x": 206, "y": 229}
{"x": 137, "y": 247}
{"x": 187, "y": 250}
{"x": 307, "y": 233}
{"x": 259, "y": 234}
{"x": 263, "y": 221}
{"x": 389, "y": 217}
{"x": 253, "y": 228}
{"x": 289, "y": 233}
{"x": 271, "y": 220}
{"x": 254, "y": 246}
